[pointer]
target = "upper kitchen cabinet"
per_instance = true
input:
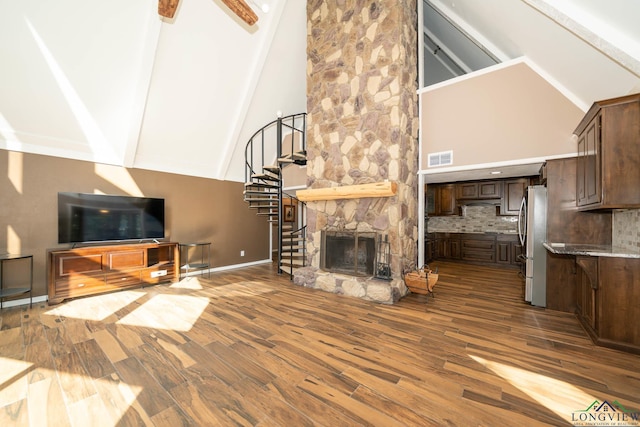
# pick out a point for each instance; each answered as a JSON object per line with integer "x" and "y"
{"x": 481, "y": 190}
{"x": 514, "y": 191}
{"x": 441, "y": 200}
{"x": 608, "y": 168}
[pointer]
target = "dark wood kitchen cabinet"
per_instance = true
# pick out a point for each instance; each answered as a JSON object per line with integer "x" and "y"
{"x": 514, "y": 191}
{"x": 430, "y": 246}
{"x": 480, "y": 248}
{"x": 587, "y": 285}
{"x": 491, "y": 249}
{"x": 479, "y": 190}
{"x": 441, "y": 200}
{"x": 565, "y": 223}
{"x": 608, "y": 300}
{"x": 508, "y": 248}
{"x": 448, "y": 246}
{"x": 608, "y": 168}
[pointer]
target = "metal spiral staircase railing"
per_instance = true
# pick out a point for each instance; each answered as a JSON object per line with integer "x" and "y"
{"x": 275, "y": 146}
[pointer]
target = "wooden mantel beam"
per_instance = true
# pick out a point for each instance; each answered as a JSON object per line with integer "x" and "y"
{"x": 376, "y": 189}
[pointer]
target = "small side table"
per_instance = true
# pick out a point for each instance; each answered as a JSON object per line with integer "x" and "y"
{"x": 10, "y": 292}
{"x": 205, "y": 258}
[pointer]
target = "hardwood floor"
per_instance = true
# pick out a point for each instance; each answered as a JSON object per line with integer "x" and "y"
{"x": 249, "y": 348}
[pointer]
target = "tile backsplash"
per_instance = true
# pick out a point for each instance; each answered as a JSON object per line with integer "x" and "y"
{"x": 626, "y": 229}
{"x": 477, "y": 219}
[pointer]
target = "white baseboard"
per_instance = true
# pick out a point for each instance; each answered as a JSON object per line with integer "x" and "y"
{"x": 230, "y": 267}
{"x": 24, "y": 301}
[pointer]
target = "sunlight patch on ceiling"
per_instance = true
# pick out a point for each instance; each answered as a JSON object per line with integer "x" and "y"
{"x": 558, "y": 396}
{"x": 120, "y": 177}
{"x": 172, "y": 312}
{"x": 8, "y": 133}
{"x": 96, "y": 139}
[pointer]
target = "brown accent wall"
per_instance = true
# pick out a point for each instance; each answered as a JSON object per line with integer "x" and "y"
{"x": 197, "y": 209}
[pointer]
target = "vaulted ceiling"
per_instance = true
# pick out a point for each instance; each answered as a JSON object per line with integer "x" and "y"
{"x": 588, "y": 49}
{"x": 112, "y": 82}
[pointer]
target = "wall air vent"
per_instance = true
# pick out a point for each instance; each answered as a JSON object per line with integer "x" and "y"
{"x": 443, "y": 158}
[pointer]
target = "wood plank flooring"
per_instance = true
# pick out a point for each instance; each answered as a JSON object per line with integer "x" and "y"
{"x": 249, "y": 348}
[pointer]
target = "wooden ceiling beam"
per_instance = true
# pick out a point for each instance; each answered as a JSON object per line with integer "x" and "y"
{"x": 243, "y": 10}
{"x": 167, "y": 8}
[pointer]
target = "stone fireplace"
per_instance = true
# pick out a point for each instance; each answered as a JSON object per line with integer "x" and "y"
{"x": 362, "y": 127}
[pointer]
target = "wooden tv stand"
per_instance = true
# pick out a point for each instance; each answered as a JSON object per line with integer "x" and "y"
{"x": 96, "y": 269}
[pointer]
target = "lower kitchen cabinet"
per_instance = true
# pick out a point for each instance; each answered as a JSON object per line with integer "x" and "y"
{"x": 430, "y": 250}
{"x": 503, "y": 252}
{"x": 608, "y": 300}
{"x": 479, "y": 248}
{"x": 448, "y": 246}
{"x": 491, "y": 249}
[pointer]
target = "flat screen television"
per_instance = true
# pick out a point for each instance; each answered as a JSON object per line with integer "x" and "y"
{"x": 101, "y": 218}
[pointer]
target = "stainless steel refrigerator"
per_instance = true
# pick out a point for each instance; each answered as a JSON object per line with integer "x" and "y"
{"x": 532, "y": 230}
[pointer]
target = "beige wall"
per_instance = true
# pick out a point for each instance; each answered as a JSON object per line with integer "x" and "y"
{"x": 196, "y": 209}
{"x": 505, "y": 115}
{"x": 294, "y": 176}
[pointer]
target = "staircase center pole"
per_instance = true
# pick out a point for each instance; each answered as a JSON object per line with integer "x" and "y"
{"x": 278, "y": 155}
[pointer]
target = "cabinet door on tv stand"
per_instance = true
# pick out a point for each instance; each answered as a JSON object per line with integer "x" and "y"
{"x": 135, "y": 258}
{"x": 68, "y": 264}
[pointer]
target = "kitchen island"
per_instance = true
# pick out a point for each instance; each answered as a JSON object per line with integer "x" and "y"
{"x": 607, "y": 292}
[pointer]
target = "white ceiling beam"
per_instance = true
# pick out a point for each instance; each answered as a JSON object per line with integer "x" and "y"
{"x": 576, "y": 22}
{"x": 147, "y": 61}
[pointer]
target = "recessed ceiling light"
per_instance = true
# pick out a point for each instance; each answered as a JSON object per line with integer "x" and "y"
{"x": 496, "y": 173}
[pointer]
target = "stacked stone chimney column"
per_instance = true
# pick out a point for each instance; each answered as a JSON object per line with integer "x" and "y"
{"x": 362, "y": 128}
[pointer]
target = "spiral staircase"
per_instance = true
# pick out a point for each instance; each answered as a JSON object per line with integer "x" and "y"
{"x": 277, "y": 145}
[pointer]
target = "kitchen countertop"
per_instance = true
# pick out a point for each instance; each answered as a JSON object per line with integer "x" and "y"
{"x": 475, "y": 232}
{"x": 591, "y": 250}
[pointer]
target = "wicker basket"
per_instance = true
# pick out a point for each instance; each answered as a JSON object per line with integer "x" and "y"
{"x": 422, "y": 281}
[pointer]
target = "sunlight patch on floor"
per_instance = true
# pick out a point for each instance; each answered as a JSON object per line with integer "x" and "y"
{"x": 96, "y": 308}
{"x": 15, "y": 385}
{"x": 187, "y": 283}
{"x": 558, "y": 396}
{"x": 174, "y": 312}
{"x": 13, "y": 380}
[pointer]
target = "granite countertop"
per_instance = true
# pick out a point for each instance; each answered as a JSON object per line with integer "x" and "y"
{"x": 591, "y": 250}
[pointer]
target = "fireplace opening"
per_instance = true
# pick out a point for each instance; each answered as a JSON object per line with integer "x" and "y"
{"x": 348, "y": 252}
